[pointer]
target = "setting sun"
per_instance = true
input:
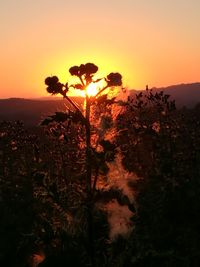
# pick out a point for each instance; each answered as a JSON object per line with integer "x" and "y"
{"x": 92, "y": 89}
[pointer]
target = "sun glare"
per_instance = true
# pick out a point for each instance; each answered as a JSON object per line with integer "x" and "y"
{"x": 92, "y": 89}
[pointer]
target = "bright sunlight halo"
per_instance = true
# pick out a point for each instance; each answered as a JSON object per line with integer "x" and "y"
{"x": 92, "y": 89}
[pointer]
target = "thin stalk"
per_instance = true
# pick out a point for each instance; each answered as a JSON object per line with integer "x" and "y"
{"x": 89, "y": 202}
{"x": 74, "y": 105}
{"x": 101, "y": 91}
{"x": 88, "y": 146}
{"x": 81, "y": 79}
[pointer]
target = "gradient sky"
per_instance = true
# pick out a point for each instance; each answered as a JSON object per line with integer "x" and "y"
{"x": 154, "y": 42}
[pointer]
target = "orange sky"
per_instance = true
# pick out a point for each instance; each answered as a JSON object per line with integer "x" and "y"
{"x": 150, "y": 42}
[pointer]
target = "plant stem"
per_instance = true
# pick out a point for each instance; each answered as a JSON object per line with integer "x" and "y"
{"x": 88, "y": 146}
{"x": 89, "y": 201}
{"x": 101, "y": 91}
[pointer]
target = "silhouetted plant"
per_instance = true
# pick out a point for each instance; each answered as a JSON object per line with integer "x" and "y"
{"x": 94, "y": 160}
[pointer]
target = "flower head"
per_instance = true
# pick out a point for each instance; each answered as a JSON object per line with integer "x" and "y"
{"x": 114, "y": 79}
{"x": 51, "y": 80}
{"x": 90, "y": 68}
{"x": 74, "y": 70}
{"x": 53, "y": 85}
{"x": 83, "y": 69}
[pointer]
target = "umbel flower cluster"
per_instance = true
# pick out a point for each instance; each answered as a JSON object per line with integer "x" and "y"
{"x": 83, "y": 69}
{"x": 85, "y": 73}
{"x": 54, "y": 86}
{"x": 114, "y": 79}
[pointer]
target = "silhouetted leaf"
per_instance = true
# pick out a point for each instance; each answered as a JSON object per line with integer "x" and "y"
{"x": 97, "y": 80}
{"x": 78, "y": 86}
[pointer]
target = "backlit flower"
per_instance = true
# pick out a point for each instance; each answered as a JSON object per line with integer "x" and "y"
{"x": 114, "y": 79}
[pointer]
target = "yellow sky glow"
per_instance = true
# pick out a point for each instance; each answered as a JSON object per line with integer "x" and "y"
{"x": 150, "y": 42}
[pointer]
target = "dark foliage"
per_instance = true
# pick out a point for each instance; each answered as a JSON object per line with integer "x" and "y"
{"x": 43, "y": 199}
{"x": 165, "y": 149}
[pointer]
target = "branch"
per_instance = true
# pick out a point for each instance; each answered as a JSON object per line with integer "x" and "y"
{"x": 81, "y": 79}
{"x": 101, "y": 91}
{"x": 73, "y": 104}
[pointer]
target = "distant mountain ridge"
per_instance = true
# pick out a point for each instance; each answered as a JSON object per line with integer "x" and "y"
{"x": 32, "y": 111}
{"x": 185, "y": 94}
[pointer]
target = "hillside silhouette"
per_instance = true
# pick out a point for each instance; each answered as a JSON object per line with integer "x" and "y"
{"x": 187, "y": 95}
{"x": 32, "y": 111}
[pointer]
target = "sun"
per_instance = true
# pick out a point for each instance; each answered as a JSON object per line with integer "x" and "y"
{"x": 92, "y": 89}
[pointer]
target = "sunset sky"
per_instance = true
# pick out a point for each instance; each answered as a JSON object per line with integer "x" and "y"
{"x": 154, "y": 42}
